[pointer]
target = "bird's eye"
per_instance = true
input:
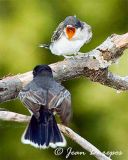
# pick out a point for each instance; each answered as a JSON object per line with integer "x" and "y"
{"x": 70, "y": 31}
{"x": 79, "y": 25}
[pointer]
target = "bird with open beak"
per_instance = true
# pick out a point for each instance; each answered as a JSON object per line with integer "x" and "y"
{"x": 69, "y": 37}
{"x": 44, "y": 97}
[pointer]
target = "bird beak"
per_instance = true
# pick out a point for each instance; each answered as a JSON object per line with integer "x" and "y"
{"x": 70, "y": 31}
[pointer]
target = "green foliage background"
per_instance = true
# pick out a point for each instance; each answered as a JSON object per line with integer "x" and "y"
{"x": 99, "y": 113}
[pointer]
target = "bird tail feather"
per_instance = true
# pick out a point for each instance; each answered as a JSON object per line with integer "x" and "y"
{"x": 43, "y": 132}
{"x": 44, "y": 46}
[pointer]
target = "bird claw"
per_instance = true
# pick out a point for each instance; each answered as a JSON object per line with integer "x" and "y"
{"x": 70, "y": 57}
{"x": 67, "y": 57}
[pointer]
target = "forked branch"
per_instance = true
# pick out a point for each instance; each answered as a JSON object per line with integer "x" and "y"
{"x": 93, "y": 65}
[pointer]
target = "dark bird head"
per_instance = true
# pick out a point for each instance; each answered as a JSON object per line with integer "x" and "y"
{"x": 71, "y": 24}
{"x": 73, "y": 21}
{"x": 42, "y": 70}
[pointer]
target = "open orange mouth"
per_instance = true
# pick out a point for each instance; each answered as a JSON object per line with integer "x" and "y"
{"x": 70, "y": 31}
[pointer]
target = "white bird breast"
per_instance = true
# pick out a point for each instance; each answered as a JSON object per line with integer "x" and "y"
{"x": 64, "y": 46}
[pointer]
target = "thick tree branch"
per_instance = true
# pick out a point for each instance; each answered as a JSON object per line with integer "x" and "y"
{"x": 11, "y": 116}
{"x": 93, "y": 65}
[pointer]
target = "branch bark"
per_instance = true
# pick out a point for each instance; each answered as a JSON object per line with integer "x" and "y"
{"x": 93, "y": 65}
{"x": 12, "y": 116}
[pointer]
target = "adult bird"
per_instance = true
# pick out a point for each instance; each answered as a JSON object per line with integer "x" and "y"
{"x": 44, "y": 97}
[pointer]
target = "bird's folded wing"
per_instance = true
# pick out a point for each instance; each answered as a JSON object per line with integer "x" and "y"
{"x": 33, "y": 99}
{"x": 61, "y": 103}
{"x": 58, "y": 32}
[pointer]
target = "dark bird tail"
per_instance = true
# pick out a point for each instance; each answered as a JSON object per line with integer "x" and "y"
{"x": 44, "y": 46}
{"x": 43, "y": 132}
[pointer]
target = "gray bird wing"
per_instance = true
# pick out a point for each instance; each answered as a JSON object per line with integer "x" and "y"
{"x": 58, "y": 32}
{"x": 64, "y": 109}
{"x": 33, "y": 99}
{"x": 61, "y": 103}
{"x": 56, "y": 98}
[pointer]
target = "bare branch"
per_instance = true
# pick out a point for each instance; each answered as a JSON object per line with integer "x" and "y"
{"x": 11, "y": 116}
{"x": 93, "y": 65}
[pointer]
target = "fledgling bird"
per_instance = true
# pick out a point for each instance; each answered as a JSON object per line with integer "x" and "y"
{"x": 69, "y": 37}
{"x": 44, "y": 97}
